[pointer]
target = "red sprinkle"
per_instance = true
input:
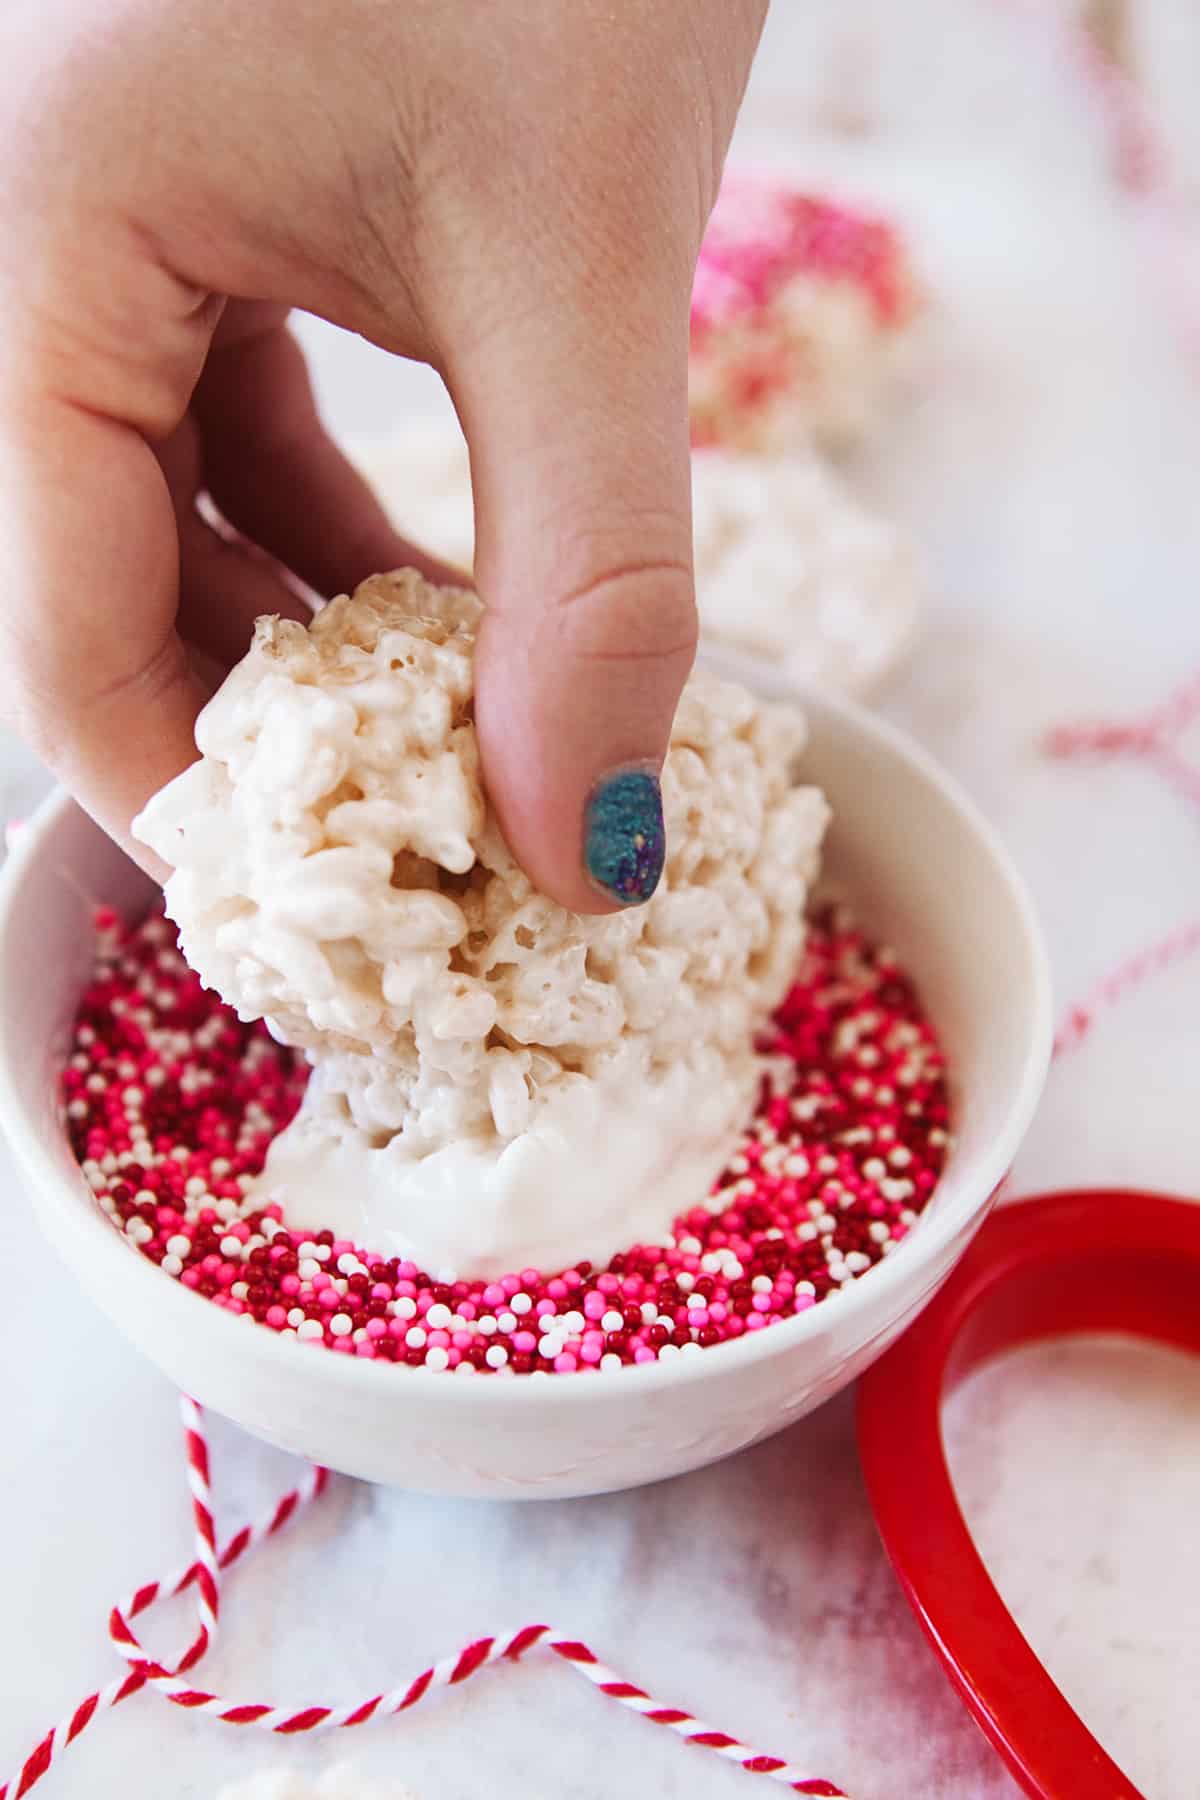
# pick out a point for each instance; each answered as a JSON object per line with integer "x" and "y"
{"x": 171, "y": 1104}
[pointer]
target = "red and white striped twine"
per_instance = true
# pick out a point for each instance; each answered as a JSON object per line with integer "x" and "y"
{"x": 1179, "y": 944}
{"x": 204, "y": 1573}
{"x": 1150, "y": 739}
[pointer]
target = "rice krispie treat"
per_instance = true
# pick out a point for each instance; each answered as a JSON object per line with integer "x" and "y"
{"x": 799, "y": 313}
{"x": 790, "y": 566}
{"x": 496, "y": 1080}
{"x": 793, "y": 570}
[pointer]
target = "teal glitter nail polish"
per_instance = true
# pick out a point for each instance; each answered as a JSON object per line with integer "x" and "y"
{"x": 624, "y": 838}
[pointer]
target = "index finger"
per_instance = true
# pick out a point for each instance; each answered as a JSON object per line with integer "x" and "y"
{"x": 94, "y": 674}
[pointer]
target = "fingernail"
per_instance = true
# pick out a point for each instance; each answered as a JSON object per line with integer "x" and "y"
{"x": 624, "y": 838}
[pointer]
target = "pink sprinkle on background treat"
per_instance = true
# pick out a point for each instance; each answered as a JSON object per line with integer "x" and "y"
{"x": 796, "y": 307}
{"x": 171, "y": 1104}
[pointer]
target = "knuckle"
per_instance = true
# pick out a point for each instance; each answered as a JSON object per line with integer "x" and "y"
{"x": 632, "y": 610}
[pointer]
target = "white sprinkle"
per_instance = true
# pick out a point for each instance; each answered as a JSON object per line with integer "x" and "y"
{"x": 550, "y": 1346}
{"x": 690, "y": 1246}
{"x": 178, "y": 1245}
{"x": 573, "y": 1323}
{"x": 240, "y": 1289}
{"x": 520, "y": 1304}
{"x": 231, "y": 1246}
{"x": 414, "y": 1337}
{"x": 296, "y": 1315}
{"x": 172, "y": 1265}
{"x": 437, "y": 1359}
{"x": 404, "y": 1308}
{"x": 495, "y": 1356}
{"x": 856, "y": 1262}
{"x": 438, "y": 1317}
{"x": 613, "y": 1321}
{"x": 308, "y": 1268}
{"x": 696, "y": 1302}
{"x": 347, "y": 1263}
{"x": 685, "y": 1280}
{"x": 488, "y": 1328}
{"x": 668, "y": 1350}
{"x": 341, "y": 1324}
{"x": 649, "y": 1312}
{"x": 762, "y": 1284}
{"x": 311, "y": 1328}
{"x": 688, "y": 1349}
{"x": 506, "y": 1321}
{"x": 609, "y": 1361}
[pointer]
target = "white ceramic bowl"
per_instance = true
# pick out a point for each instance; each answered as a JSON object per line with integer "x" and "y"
{"x": 925, "y": 873}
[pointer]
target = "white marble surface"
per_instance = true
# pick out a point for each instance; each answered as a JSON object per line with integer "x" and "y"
{"x": 1051, "y": 471}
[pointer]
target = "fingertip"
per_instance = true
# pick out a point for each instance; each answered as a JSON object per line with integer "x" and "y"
{"x": 624, "y": 835}
{"x": 573, "y": 742}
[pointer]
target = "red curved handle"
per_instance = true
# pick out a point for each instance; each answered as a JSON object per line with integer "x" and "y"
{"x": 1106, "y": 1260}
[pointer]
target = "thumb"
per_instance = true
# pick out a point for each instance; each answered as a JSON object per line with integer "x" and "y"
{"x": 581, "y": 472}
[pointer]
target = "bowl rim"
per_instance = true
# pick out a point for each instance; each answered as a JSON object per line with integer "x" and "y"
{"x": 52, "y": 1189}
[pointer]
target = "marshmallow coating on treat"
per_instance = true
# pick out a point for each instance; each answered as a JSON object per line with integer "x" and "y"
{"x": 495, "y": 1078}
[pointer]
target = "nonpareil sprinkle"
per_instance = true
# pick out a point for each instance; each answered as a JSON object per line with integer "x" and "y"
{"x": 171, "y": 1103}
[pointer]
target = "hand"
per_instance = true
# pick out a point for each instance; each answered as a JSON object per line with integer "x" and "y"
{"x": 514, "y": 194}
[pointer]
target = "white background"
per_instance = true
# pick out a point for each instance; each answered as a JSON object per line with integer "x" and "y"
{"x": 1050, "y": 470}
